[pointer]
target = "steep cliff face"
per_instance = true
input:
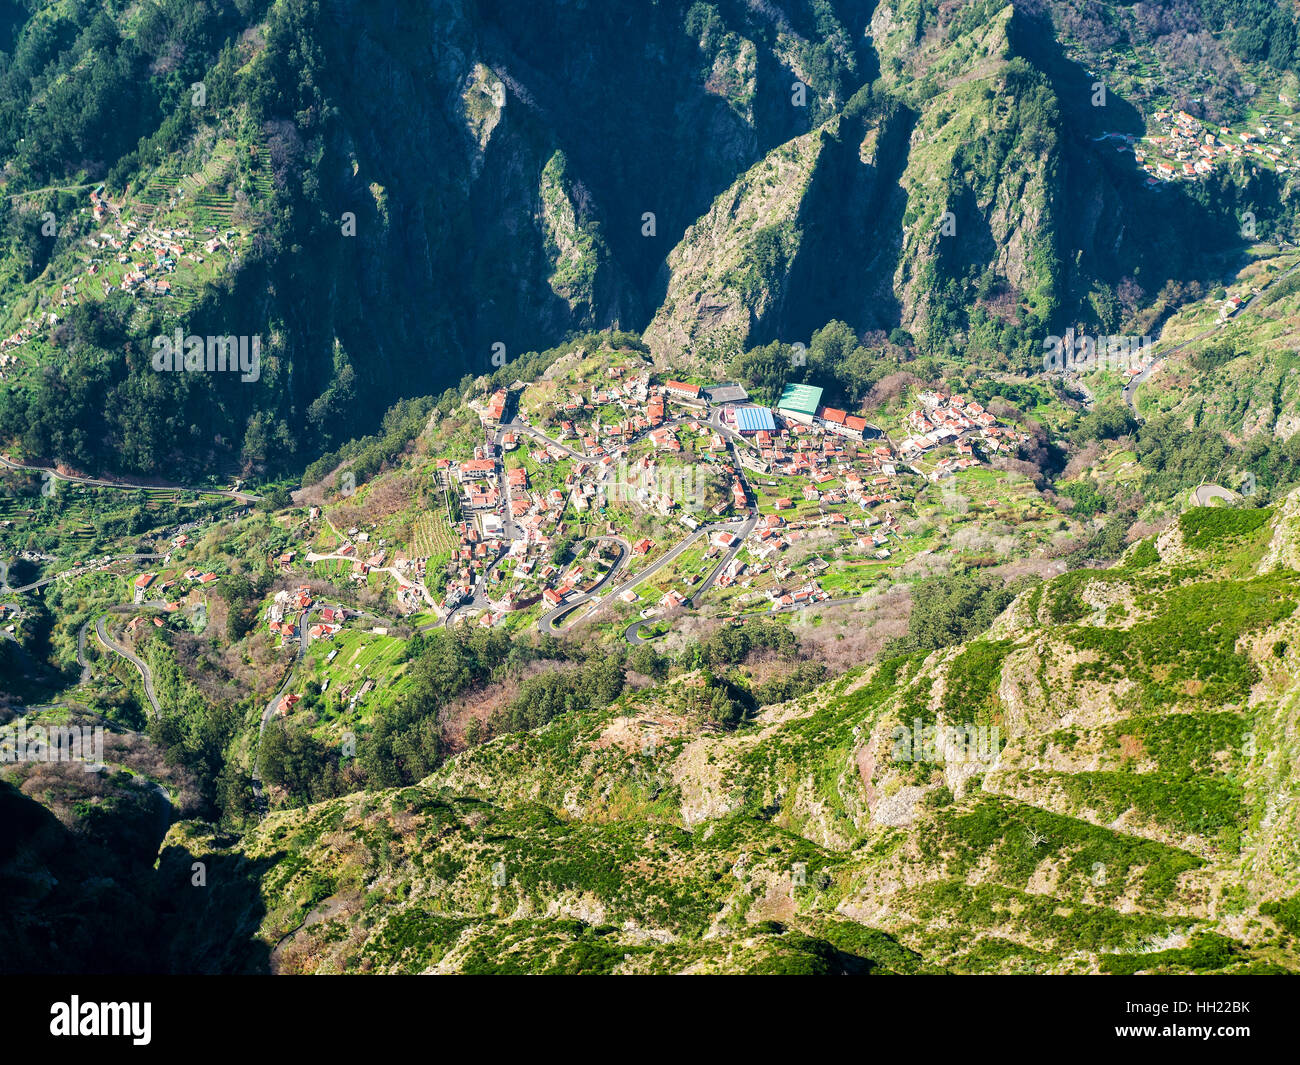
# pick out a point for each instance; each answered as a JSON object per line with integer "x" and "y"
{"x": 583, "y": 271}
{"x": 809, "y": 234}
{"x": 438, "y": 182}
{"x": 981, "y": 185}
{"x": 983, "y": 211}
{"x": 731, "y": 269}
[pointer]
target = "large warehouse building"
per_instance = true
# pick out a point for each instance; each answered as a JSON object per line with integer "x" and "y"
{"x": 800, "y": 402}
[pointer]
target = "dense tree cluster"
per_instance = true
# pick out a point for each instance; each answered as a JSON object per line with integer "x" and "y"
{"x": 950, "y": 610}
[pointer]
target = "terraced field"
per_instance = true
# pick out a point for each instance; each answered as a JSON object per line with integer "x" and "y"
{"x": 362, "y": 656}
{"x": 432, "y": 535}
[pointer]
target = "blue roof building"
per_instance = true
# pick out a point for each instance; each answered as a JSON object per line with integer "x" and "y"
{"x": 752, "y": 419}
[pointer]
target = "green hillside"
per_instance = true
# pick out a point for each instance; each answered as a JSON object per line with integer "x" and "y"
{"x": 1131, "y": 812}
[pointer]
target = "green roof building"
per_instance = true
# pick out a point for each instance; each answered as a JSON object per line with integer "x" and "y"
{"x": 800, "y": 402}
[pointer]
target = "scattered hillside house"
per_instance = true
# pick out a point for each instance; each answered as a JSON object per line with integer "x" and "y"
{"x": 553, "y": 597}
{"x": 496, "y": 407}
{"x": 642, "y": 547}
{"x": 664, "y": 440}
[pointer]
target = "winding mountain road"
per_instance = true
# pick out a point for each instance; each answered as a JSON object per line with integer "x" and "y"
{"x": 304, "y": 625}
{"x": 72, "y": 572}
{"x": 741, "y": 532}
{"x": 98, "y": 482}
{"x": 1130, "y": 389}
{"x": 547, "y": 622}
{"x": 101, "y": 632}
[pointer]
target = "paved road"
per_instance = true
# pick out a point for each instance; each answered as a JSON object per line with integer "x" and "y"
{"x": 523, "y": 427}
{"x": 73, "y": 571}
{"x": 243, "y": 497}
{"x": 633, "y": 632}
{"x": 1203, "y": 494}
{"x": 101, "y": 631}
{"x": 81, "y": 654}
{"x": 139, "y": 663}
{"x": 547, "y": 621}
{"x": 742, "y": 533}
{"x": 1130, "y": 389}
{"x": 478, "y": 599}
{"x": 304, "y": 624}
{"x": 402, "y": 580}
{"x": 51, "y": 188}
{"x": 509, "y": 526}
